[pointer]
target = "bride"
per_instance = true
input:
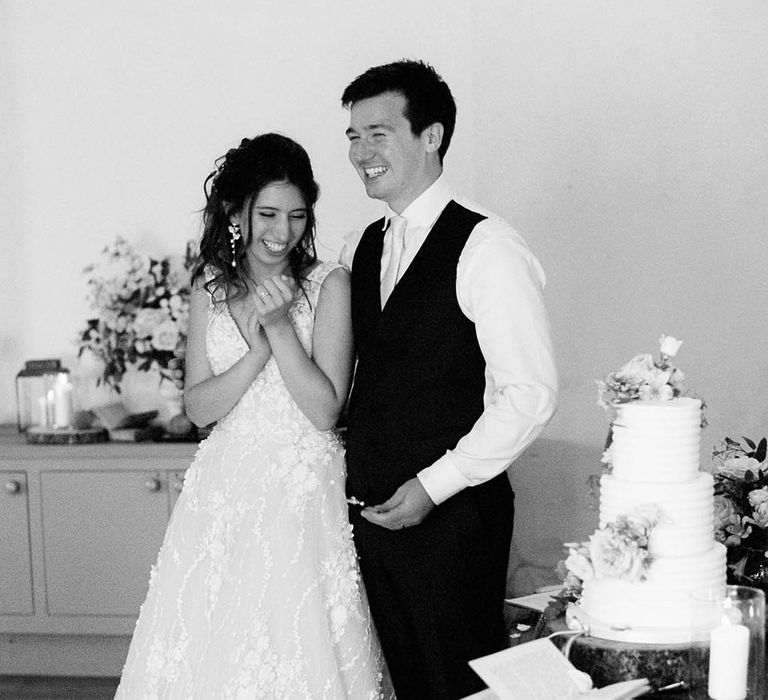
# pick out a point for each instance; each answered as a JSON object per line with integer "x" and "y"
{"x": 256, "y": 592}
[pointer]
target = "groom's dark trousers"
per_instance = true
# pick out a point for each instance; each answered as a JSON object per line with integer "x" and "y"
{"x": 436, "y": 589}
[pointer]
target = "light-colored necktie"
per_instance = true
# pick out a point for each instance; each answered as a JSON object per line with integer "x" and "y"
{"x": 397, "y": 225}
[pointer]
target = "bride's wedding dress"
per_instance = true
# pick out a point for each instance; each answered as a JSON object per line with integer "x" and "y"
{"x": 256, "y": 592}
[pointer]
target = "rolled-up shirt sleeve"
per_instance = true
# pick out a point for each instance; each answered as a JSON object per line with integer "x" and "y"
{"x": 499, "y": 287}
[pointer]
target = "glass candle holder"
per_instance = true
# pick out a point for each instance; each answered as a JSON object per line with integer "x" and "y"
{"x": 732, "y": 620}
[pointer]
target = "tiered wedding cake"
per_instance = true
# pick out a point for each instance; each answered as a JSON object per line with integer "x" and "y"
{"x": 655, "y": 543}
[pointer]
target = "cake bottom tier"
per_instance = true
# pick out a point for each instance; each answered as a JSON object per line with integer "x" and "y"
{"x": 660, "y": 609}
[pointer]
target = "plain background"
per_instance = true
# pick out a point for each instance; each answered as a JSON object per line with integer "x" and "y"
{"x": 627, "y": 141}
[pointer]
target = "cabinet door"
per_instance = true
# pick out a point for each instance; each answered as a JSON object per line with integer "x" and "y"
{"x": 101, "y": 534}
{"x": 15, "y": 553}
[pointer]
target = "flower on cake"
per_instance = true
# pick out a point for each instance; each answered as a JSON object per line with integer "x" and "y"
{"x": 669, "y": 346}
{"x": 741, "y": 508}
{"x": 643, "y": 378}
{"x": 619, "y": 550}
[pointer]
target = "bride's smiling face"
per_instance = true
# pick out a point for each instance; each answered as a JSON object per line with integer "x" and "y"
{"x": 278, "y": 221}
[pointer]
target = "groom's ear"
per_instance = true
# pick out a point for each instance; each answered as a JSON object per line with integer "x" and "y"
{"x": 433, "y": 137}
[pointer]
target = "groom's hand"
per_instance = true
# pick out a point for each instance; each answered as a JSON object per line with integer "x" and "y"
{"x": 409, "y": 505}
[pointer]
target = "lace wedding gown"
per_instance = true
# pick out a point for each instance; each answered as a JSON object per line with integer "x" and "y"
{"x": 256, "y": 592}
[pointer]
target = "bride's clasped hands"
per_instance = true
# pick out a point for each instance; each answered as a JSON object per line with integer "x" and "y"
{"x": 272, "y": 299}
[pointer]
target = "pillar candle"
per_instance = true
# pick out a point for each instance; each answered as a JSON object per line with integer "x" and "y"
{"x": 50, "y": 406}
{"x": 42, "y": 412}
{"x": 728, "y": 659}
{"x": 62, "y": 404}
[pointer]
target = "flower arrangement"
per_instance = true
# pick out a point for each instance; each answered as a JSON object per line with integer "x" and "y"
{"x": 644, "y": 378}
{"x": 741, "y": 509}
{"x": 619, "y": 551}
{"x": 142, "y": 307}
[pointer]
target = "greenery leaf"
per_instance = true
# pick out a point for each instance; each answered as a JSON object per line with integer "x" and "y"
{"x": 761, "y": 450}
{"x": 749, "y": 442}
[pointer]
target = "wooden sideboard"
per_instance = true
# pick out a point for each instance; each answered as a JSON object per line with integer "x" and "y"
{"x": 80, "y": 527}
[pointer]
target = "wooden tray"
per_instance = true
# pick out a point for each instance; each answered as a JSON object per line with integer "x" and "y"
{"x": 66, "y": 436}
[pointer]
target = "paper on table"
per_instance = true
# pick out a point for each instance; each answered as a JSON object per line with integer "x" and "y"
{"x": 486, "y": 694}
{"x": 534, "y": 601}
{"x": 538, "y": 671}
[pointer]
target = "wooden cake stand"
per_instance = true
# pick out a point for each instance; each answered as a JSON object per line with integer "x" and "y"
{"x": 607, "y": 661}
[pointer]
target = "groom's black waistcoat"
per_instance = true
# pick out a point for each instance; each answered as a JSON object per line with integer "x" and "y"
{"x": 420, "y": 378}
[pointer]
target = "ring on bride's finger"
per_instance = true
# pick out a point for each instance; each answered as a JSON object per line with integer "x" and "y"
{"x": 264, "y": 294}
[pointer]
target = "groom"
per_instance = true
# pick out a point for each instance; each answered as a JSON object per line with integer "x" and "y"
{"x": 455, "y": 377}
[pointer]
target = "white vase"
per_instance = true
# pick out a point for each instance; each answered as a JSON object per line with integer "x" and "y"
{"x": 173, "y": 400}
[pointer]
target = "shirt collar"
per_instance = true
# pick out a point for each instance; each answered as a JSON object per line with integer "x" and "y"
{"x": 423, "y": 211}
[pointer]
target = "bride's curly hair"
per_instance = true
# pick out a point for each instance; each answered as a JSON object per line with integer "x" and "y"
{"x": 233, "y": 187}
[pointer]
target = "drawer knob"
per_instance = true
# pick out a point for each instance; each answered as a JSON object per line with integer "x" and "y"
{"x": 152, "y": 484}
{"x": 12, "y": 486}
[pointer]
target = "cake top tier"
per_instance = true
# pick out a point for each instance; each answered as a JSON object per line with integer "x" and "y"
{"x": 682, "y": 408}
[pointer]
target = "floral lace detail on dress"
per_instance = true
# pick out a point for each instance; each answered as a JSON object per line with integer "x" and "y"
{"x": 257, "y": 592}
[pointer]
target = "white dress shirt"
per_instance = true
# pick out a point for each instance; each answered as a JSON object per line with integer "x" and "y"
{"x": 499, "y": 287}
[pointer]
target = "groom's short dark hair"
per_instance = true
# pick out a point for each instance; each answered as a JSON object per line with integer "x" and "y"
{"x": 427, "y": 96}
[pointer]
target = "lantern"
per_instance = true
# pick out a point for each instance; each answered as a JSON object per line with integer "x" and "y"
{"x": 33, "y": 384}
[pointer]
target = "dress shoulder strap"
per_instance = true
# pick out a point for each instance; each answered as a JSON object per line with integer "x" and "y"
{"x": 321, "y": 271}
{"x": 316, "y": 278}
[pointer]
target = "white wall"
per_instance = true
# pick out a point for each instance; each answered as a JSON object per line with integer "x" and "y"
{"x": 627, "y": 141}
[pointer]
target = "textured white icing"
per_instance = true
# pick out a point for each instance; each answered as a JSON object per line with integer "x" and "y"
{"x": 657, "y": 441}
{"x": 685, "y": 509}
{"x": 659, "y": 609}
{"x": 655, "y": 458}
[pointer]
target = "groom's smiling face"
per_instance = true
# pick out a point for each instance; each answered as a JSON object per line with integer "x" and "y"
{"x": 391, "y": 161}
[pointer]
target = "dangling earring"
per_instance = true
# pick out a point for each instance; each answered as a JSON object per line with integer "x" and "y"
{"x": 235, "y": 235}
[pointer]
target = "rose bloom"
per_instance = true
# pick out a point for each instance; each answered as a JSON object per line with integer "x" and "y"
{"x": 578, "y": 565}
{"x": 760, "y": 515}
{"x": 729, "y": 528}
{"x": 738, "y": 466}
{"x": 669, "y": 345}
{"x": 147, "y": 320}
{"x": 657, "y": 386}
{"x": 758, "y": 496}
{"x": 616, "y": 558}
{"x": 165, "y": 336}
{"x": 758, "y": 499}
{"x": 636, "y": 371}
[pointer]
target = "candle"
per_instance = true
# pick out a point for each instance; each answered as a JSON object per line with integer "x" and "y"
{"x": 728, "y": 657}
{"x": 50, "y": 401}
{"x": 62, "y": 403}
{"x": 42, "y": 412}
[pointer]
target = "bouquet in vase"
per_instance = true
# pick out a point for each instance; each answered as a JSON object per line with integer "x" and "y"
{"x": 142, "y": 312}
